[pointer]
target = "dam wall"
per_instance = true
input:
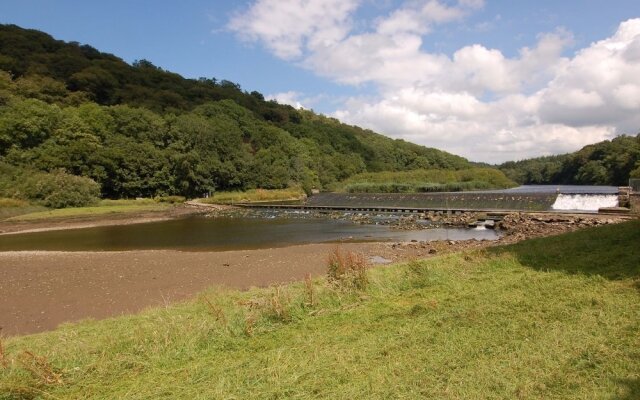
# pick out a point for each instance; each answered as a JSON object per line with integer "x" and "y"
{"x": 457, "y": 200}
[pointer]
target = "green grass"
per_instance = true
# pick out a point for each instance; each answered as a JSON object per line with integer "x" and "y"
{"x": 255, "y": 195}
{"x": 515, "y": 322}
{"x": 104, "y": 207}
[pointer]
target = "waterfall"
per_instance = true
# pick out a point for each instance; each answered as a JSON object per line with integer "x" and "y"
{"x": 584, "y": 202}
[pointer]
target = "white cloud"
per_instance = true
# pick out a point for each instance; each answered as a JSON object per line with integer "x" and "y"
{"x": 599, "y": 86}
{"x": 476, "y": 102}
{"x": 419, "y": 18}
{"x": 288, "y": 27}
{"x": 291, "y": 97}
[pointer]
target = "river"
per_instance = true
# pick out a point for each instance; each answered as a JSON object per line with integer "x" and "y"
{"x": 199, "y": 233}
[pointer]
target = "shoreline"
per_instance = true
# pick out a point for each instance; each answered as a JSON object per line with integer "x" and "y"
{"x": 42, "y": 289}
{"x": 67, "y": 223}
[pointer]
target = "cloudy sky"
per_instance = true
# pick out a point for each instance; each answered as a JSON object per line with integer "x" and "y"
{"x": 486, "y": 79}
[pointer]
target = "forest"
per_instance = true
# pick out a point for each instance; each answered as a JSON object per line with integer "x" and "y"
{"x": 610, "y": 162}
{"x": 68, "y": 110}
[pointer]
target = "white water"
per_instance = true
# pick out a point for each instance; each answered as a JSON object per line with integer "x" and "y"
{"x": 584, "y": 202}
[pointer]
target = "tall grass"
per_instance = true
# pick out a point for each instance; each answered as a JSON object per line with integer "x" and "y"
{"x": 347, "y": 270}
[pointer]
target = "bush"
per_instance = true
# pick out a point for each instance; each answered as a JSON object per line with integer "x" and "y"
{"x": 59, "y": 190}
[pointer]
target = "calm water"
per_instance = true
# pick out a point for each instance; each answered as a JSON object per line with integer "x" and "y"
{"x": 201, "y": 233}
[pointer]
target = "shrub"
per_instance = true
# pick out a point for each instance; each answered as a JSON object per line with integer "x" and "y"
{"x": 59, "y": 189}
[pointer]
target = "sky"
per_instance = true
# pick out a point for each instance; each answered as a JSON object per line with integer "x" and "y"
{"x": 490, "y": 80}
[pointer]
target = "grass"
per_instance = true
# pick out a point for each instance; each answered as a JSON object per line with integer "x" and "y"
{"x": 256, "y": 195}
{"x": 514, "y": 322}
{"x": 12, "y": 207}
{"x": 104, "y": 207}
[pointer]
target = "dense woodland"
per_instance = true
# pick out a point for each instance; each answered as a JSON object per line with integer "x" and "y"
{"x": 611, "y": 162}
{"x": 139, "y": 131}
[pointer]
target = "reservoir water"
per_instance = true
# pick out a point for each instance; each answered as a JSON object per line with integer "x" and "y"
{"x": 225, "y": 233}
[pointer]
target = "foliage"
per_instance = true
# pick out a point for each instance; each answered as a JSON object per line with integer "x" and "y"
{"x": 421, "y": 180}
{"x": 56, "y": 189}
{"x": 60, "y": 190}
{"x": 605, "y": 163}
{"x": 140, "y": 131}
{"x": 506, "y": 324}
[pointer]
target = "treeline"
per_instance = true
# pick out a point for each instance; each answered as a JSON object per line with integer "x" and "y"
{"x": 611, "y": 162}
{"x": 37, "y": 61}
{"x": 422, "y": 180}
{"x": 139, "y": 131}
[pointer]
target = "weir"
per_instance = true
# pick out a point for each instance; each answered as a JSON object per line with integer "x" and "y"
{"x": 494, "y": 203}
{"x": 582, "y": 202}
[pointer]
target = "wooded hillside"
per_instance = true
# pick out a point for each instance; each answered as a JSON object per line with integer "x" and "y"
{"x": 611, "y": 162}
{"x": 137, "y": 130}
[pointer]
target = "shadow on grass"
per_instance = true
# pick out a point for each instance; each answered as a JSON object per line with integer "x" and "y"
{"x": 633, "y": 389}
{"x": 611, "y": 251}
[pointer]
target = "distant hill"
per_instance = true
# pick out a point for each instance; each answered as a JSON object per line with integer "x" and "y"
{"x": 611, "y": 162}
{"x": 138, "y": 130}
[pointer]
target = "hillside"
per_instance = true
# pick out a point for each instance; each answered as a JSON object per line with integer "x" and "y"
{"x": 611, "y": 162}
{"x": 137, "y": 130}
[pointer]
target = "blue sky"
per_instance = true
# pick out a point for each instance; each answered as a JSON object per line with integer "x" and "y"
{"x": 489, "y": 80}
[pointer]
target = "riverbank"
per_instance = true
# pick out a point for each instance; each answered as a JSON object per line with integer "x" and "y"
{"x": 552, "y": 317}
{"x": 98, "y": 216}
{"x": 41, "y": 289}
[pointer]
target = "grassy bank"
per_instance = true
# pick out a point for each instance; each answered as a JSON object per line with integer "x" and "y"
{"x": 104, "y": 207}
{"x": 12, "y": 207}
{"x": 255, "y": 195}
{"x": 549, "y": 318}
{"x": 426, "y": 181}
